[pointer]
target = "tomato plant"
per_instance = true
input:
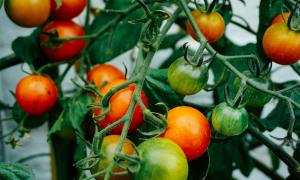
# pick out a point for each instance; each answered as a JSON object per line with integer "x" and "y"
{"x": 36, "y": 94}
{"x": 68, "y": 9}
{"x": 119, "y": 104}
{"x": 190, "y": 129}
{"x": 30, "y": 13}
{"x": 161, "y": 159}
{"x": 65, "y": 50}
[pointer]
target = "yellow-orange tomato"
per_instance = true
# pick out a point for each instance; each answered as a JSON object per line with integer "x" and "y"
{"x": 211, "y": 25}
{"x": 108, "y": 150}
{"x": 281, "y": 18}
{"x": 104, "y": 73}
{"x": 281, "y": 44}
{"x": 119, "y": 104}
{"x": 28, "y": 13}
{"x": 190, "y": 129}
{"x": 36, "y": 94}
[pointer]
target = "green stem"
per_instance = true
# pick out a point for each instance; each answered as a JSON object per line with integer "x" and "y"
{"x": 9, "y": 61}
{"x": 267, "y": 171}
{"x": 87, "y": 16}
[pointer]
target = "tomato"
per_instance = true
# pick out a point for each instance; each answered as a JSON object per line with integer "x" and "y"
{"x": 104, "y": 73}
{"x": 161, "y": 159}
{"x": 185, "y": 78}
{"x": 190, "y": 129}
{"x": 211, "y": 25}
{"x": 36, "y": 94}
{"x": 108, "y": 150}
{"x": 29, "y": 13}
{"x": 65, "y": 50}
{"x": 281, "y": 18}
{"x": 68, "y": 9}
{"x": 229, "y": 121}
{"x": 281, "y": 44}
{"x": 119, "y": 104}
{"x": 254, "y": 97}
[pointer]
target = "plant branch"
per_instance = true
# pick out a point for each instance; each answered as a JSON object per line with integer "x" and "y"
{"x": 9, "y": 61}
{"x": 267, "y": 171}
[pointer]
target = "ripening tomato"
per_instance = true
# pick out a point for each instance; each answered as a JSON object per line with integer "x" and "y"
{"x": 119, "y": 104}
{"x": 211, "y": 25}
{"x": 281, "y": 44}
{"x": 36, "y": 94}
{"x": 161, "y": 159}
{"x": 190, "y": 129}
{"x": 108, "y": 150}
{"x": 228, "y": 120}
{"x": 65, "y": 50}
{"x": 281, "y": 18}
{"x": 104, "y": 73}
{"x": 29, "y": 13}
{"x": 68, "y": 9}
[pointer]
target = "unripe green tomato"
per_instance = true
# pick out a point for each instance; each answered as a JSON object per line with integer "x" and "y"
{"x": 254, "y": 97}
{"x": 229, "y": 121}
{"x": 185, "y": 78}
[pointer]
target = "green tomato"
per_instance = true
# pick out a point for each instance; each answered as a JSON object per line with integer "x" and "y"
{"x": 254, "y": 97}
{"x": 185, "y": 78}
{"x": 161, "y": 159}
{"x": 229, "y": 121}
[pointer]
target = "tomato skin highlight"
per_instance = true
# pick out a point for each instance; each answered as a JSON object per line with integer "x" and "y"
{"x": 229, "y": 121}
{"x": 29, "y": 13}
{"x": 104, "y": 73}
{"x": 66, "y": 50}
{"x": 108, "y": 150}
{"x": 255, "y": 98}
{"x": 190, "y": 129}
{"x": 68, "y": 9}
{"x": 161, "y": 159}
{"x": 281, "y": 18}
{"x": 120, "y": 103}
{"x": 211, "y": 25}
{"x": 36, "y": 94}
{"x": 185, "y": 78}
{"x": 281, "y": 44}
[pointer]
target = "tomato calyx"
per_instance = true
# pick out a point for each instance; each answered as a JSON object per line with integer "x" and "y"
{"x": 294, "y": 19}
{"x": 194, "y": 61}
{"x": 237, "y": 102}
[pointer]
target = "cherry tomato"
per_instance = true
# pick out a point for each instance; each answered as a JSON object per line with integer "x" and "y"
{"x": 68, "y": 9}
{"x": 65, "y": 50}
{"x": 211, "y": 25}
{"x": 29, "y": 13}
{"x": 254, "y": 97}
{"x": 104, "y": 73}
{"x": 229, "y": 121}
{"x": 108, "y": 150}
{"x": 185, "y": 78}
{"x": 281, "y": 18}
{"x": 36, "y": 94}
{"x": 161, "y": 159}
{"x": 281, "y": 44}
{"x": 190, "y": 129}
{"x": 119, "y": 104}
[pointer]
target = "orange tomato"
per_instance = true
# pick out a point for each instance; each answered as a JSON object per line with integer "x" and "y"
{"x": 119, "y": 104}
{"x": 36, "y": 94}
{"x": 281, "y": 18}
{"x": 211, "y": 25}
{"x": 190, "y": 129}
{"x": 29, "y": 13}
{"x": 104, "y": 73}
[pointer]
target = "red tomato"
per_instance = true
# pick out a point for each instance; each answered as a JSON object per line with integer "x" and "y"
{"x": 29, "y": 13}
{"x": 281, "y": 18}
{"x": 36, "y": 94}
{"x": 104, "y": 73}
{"x": 190, "y": 129}
{"x": 281, "y": 44}
{"x": 211, "y": 25}
{"x": 65, "y": 50}
{"x": 119, "y": 104}
{"x": 68, "y": 9}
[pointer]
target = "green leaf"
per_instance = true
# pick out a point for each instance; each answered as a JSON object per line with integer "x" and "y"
{"x": 171, "y": 40}
{"x": 275, "y": 161}
{"x": 15, "y": 171}
{"x": 1, "y": 3}
{"x": 198, "y": 169}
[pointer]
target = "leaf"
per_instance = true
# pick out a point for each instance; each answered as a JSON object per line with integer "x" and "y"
{"x": 275, "y": 161}
{"x": 1, "y": 3}
{"x": 15, "y": 171}
{"x": 171, "y": 40}
{"x": 198, "y": 169}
